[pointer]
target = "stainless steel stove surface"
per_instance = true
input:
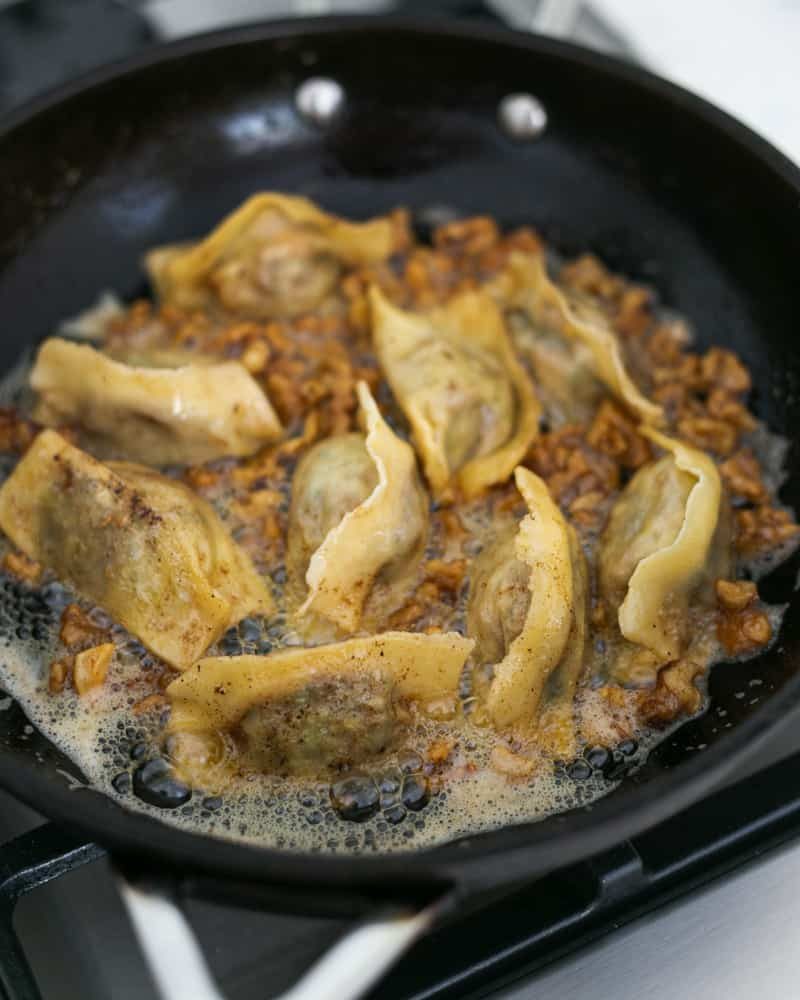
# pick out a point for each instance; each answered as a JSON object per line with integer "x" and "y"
{"x": 74, "y": 929}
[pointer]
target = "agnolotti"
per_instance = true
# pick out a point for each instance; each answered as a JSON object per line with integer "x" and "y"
{"x": 308, "y": 710}
{"x": 144, "y": 547}
{"x": 160, "y": 416}
{"x": 563, "y": 371}
{"x": 471, "y": 406}
{"x": 358, "y": 522}
{"x": 667, "y": 539}
{"x": 527, "y": 613}
{"x": 275, "y": 256}
{"x": 525, "y": 285}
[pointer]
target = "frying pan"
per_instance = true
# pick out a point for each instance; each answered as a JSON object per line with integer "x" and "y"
{"x": 663, "y": 186}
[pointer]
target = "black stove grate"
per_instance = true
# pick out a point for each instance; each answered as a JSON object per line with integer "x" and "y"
{"x": 502, "y": 940}
{"x": 30, "y": 861}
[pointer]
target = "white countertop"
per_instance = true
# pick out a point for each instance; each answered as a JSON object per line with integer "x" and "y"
{"x": 740, "y": 54}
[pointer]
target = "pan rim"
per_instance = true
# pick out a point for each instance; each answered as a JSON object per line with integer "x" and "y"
{"x": 506, "y": 854}
{"x": 260, "y": 31}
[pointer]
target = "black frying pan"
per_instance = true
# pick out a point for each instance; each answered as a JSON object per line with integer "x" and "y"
{"x": 661, "y": 185}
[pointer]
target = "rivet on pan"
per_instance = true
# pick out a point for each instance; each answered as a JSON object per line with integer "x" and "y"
{"x": 522, "y": 116}
{"x": 319, "y": 99}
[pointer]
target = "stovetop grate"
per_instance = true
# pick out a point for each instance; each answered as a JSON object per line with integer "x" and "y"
{"x": 498, "y": 942}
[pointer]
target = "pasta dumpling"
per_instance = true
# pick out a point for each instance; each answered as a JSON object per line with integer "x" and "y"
{"x": 471, "y": 406}
{"x": 563, "y": 370}
{"x": 300, "y": 711}
{"x": 667, "y": 536}
{"x": 275, "y": 256}
{"x": 526, "y": 285}
{"x": 527, "y": 613}
{"x": 161, "y": 416}
{"x": 358, "y": 521}
{"x": 144, "y": 547}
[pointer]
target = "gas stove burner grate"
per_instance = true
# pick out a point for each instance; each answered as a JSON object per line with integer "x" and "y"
{"x": 503, "y": 939}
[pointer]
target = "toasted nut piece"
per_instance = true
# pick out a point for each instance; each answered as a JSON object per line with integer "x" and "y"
{"x": 764, "y": 527}
{"x": 439, "y": 751}
{"x": 19, "y": 565}
{"x": 151, "y": 703}
{"x": 734, "y": 595}
{"x": 742, "y": 475}
{"x": 743, "y": 631}
{"x": 589, "y": 275}
{"x": 452, "y": 524}
{"x": 709, "y": 434}
{"x": 723, "y": 368}
{"x": 668, "y": 342}
{"x": 91, "y": 667}
{"x": 467, "y": 236}
{"x": 407, "y": 615}
{"x": 614, "y": 434}
{"x": 255, "y": 356}
{"x": 757, "y": 628}
{"x": 201, "y": 478}
{"x": 635, "y": 311}
{"x": 77, "y": 628}
{"x": 511, "y": 764}
{"x": 59, "y": 672}
{"x": 446, "y": 575}
{"x": 722, "y": 405}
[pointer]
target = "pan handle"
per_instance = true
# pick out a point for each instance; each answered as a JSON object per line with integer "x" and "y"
{"x": 355, "y": 963}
